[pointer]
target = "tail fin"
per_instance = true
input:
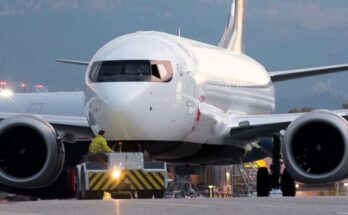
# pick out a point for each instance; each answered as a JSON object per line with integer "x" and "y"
{"x": 232, "y": 39}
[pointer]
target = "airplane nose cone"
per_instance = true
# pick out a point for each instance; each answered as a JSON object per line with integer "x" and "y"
{"x": 113, "y": 109}
{"x": 138, "y": 111}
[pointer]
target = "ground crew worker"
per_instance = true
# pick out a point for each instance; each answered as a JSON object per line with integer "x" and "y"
{"x": 99, "y": 144}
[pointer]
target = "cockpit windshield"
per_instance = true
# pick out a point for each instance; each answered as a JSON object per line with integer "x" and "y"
{"x": 131, "y": 70}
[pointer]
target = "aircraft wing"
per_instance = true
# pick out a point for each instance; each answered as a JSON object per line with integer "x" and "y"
{"x": 63, "y": 110}
{"x": 256, "y": 126}
{"x": 76, "y": 125}
{"x": 76, "y": 62}
{"x": 306, "y": 72}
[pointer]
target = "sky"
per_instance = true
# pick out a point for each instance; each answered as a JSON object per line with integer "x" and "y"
{"x": 279, "y": 34}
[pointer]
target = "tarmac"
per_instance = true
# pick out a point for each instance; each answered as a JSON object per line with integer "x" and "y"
{"x": 234, "y": 206}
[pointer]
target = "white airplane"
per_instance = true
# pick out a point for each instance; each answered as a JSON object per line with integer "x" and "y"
{"x": 182, "y": 101}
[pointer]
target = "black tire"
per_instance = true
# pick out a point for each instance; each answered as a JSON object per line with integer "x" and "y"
{"x": 263, "y": 182}
{"x": 287, "y": 184}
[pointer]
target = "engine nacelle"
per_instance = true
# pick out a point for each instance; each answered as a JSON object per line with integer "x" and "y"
{"x": 315, "y": 147}
{"x": 31, "y": 156}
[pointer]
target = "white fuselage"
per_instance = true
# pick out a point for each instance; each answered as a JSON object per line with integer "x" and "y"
{"x": 204, "y": 76}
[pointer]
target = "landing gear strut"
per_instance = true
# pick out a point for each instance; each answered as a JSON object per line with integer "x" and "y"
{"x": 262, "y": 182}
{"x": 275, "y": 166}
{"x": 275, "y": 180}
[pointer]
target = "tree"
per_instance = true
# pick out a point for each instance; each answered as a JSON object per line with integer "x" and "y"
{"x": 300, "y": 110}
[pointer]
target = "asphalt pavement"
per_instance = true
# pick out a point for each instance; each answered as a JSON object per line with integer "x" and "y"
{"x": 234, "y": 206}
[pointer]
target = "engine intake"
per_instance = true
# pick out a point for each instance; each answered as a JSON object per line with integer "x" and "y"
{"x": 31, "y": 156}
{"x": 315, "y": 147}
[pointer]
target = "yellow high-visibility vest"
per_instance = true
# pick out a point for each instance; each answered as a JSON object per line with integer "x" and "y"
{"x": 99, "y": 145}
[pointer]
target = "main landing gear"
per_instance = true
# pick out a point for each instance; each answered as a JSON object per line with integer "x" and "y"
{"x": 275, "y": 181}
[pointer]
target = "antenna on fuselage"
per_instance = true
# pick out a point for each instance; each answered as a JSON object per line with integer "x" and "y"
{"x": 179, "y": 31}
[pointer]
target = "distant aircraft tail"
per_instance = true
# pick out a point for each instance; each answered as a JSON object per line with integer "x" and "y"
{"x": 232, "y": 39}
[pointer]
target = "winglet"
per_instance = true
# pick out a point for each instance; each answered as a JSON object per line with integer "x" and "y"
{"x": 76, "y": 62}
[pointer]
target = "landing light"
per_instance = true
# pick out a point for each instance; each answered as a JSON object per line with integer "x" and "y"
{"x": 297, "y": 185}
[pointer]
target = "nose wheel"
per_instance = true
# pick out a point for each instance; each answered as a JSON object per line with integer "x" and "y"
{"x": 275, "y": 181}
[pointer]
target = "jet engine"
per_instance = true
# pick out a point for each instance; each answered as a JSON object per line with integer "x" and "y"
{"x": 31, "y": 155}
{"x": 315, "y": 147}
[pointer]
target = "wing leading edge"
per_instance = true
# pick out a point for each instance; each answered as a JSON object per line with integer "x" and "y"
{"x": 76, "y": 125}
{"x": 76, "y": 62}
{"x": 285, "y": 75}
{"x": 256, "y": 126}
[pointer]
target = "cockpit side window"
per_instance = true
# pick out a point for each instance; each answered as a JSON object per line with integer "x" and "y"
{"x": 131, "y": 71}
{"x": 93, "y": 72}
{"x": 155, "y": 72}
{"x": 162, "y": 70}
